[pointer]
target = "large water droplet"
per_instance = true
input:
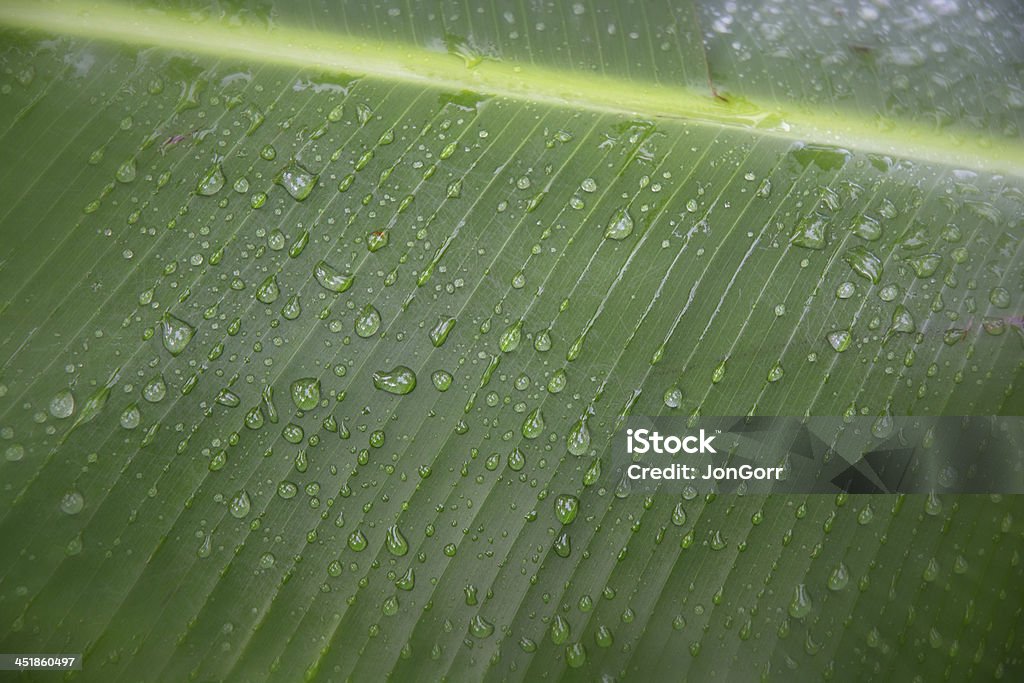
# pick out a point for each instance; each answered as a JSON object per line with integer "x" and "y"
{"x": 268, "y": 291}
{"x": 480, "y": 627}
{"x": 620, "y": 226}
{"x": 439, "y": 333}
{"x": 578, "y": 439}
{"x": 399, "y": 380}
{"x": 864, "y": 263}
{"x": 367, "y": 321}
{"x": 72, "y": 502}
{"x": 155, "y": 389}
{"x": 62, "y": 405}
{"x": 839, "y": 577}
{"x": 211, "y": 183}
{"x": 395, "y": 541}
{"x": 800, "y": 605}
{"x": 296, "y": 180}
{"x": 330, "y": 278}
{"x": 566, "y": 507}
{"x": 533, "y": 425}
{"x": 509, "y": 340}
{"x": 176, "y": 334}
{"x": 810, "y": 232}
{"x": 357, "y": 541}
{"x": 306, "y": 393}
{"x": 840, "y": 340}
{"x": 240, "y": 505}
{"x": 560, "y": 630}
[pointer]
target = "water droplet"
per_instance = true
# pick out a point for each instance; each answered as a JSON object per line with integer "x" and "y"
{"x": 439, "y": 332}
{"x": 620, "y": 226}
{"x": 240, "y": 505}
{"x": 211, "y": 183}
{"x": 575, "y": 655}
{"x": 367, "y": 321}
{"x": 557, "y": 382}
{"x": 718, "y": 374}
{"x": 155, "y": 389}
{"x": 864, "y": 263}
{"x": 377, "y": 240}
{"x": 480, "y": 627}
{"x": 999, "y": 297}
{"x": 296, "y": 180}
{"x": 299, "y": 245}
{"x": 407, "y": 581}
{"x": 176, "y": 334}
{"x": 357, "y": 541}
{"x": 306, "y": 393}
{"x": 62, "y": 405}
{"x": 840, "y": 340}
{"x": 205, "y": 547}
{"x": 566, "y": 507}
{"x": 254, "y": 418}
{"x": 902, "y": 321}
{"x": 845, "y": 290}
{"x": 292, "y": 308}
{"x": 883, "y": 425}
{"x": 679, "y": 515}
{"x": 866, "y": 515}
{"x": 455, "y": 189}
{"x": 330, "y": 278}
{"x": 72, "y": 502}
{"x": 839, "y": 577}
{"x": 126, "y": 172}
{"x": 293, "y": 434}
{"x": 228, "y": 398}
{"x": 925, "y": 265}
{"x": 560, "y": 630}
{"x": 825, "y": 157}
{"x": 442, "y": 380}
{"x": 578, "y": 439}
{"x": 533, "y": 425}
{"x": 400, "y": 380}
{"x": 74, "y": 546}
{"x": 395, "y": 541}
{"x": 810, "y": 232}
{"x": 268, "y": 291}
{"x": 673, "y": 397}
{"x": 131, "y": 417}
{"x": 800, "y": 605}
{"x": 868, "y": 228}
{"x": 509, "y": 340}
{"x": 516, "y": 460}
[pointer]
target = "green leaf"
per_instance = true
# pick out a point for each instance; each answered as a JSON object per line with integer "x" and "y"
{"x": 314, "y": 334}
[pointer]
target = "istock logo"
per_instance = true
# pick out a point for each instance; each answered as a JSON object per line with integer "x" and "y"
{"x": 645, "y": 441}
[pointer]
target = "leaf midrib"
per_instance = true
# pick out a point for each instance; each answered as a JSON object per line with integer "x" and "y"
{"x": 303, "y": 48}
